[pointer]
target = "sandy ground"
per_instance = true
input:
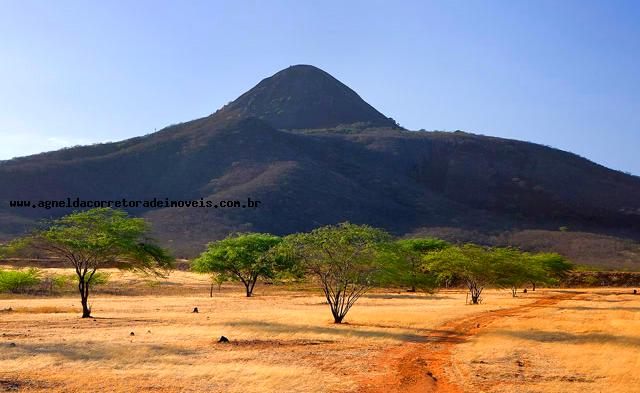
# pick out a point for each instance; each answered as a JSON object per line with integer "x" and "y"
{"x": 283, "y": 340}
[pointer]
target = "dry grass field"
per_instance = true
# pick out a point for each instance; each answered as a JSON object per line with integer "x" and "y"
{"x": 283, "y": 340}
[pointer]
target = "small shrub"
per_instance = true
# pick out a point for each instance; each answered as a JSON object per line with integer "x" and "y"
{"x": 59, "y": 282}
{"x": 590, "y": 280}
{"x": 18, "y": 281}
{"x": 153, "y": 283}
{"x": 98, "y": 278}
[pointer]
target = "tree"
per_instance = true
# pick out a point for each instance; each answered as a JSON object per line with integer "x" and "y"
{"x": 512, "y": 268}
{"x": 245, "y": 257}
{"x": 346, "y": 259}
{"x": 548, "y": 268}
{"x": 100, "y": 238}
{"x": 470, "y": 263}
{"x": 217, "y": 279}
{"x": 411, "y": 253}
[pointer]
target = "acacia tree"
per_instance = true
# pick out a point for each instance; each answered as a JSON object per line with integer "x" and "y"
{"x": 547, "y": 268}
{"x": 345, "y": 258}
{"x": 99, "y": 238}
{"x": 411, "y": 253}
{"x": 512, "y": 268}
{"x": 245, "y": 257}
{"x": 470, "y": 263}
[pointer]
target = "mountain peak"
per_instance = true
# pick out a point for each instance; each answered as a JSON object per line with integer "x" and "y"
{"x": 304, "y": 97}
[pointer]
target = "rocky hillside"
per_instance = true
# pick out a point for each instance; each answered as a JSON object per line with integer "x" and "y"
{"x": 313, "y": 152}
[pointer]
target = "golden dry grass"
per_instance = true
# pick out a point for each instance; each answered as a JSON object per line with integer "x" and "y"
{"x": 282, "y": 340}
{"x": 590, "y": 343}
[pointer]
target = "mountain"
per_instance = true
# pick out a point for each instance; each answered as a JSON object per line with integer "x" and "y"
{"x": 305, "y": 97}
{"x": 314, "y": 153}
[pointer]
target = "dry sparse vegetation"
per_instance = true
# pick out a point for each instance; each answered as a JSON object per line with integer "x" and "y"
{"x": 589, "y": 342}
{"x": 284, "y": 340}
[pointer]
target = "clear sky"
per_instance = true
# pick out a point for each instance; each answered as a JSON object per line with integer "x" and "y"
{"x": 562, "y": 73}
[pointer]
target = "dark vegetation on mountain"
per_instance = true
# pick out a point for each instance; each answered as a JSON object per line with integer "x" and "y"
{"x": 314, "y": 153}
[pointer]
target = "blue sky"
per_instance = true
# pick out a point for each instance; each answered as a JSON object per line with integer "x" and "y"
{"x": 561, "y": 73}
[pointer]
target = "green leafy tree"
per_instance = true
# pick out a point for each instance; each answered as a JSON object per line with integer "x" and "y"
{"x": 469, "y": 263}
{"x": 245, "y": 257}
{"x": 347, "y": 259}
{"x": 548, "y": 268}
{"x": 411, "y": 253}
{"x": 99, "y": 238}
{"x": 513, "y": 268}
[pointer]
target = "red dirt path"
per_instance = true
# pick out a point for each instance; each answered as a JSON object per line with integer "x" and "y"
{"x": 420, "y": 367}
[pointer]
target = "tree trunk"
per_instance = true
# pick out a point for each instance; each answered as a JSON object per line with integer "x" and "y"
{"x": 514, "y": 291}
{"x": 249, "y": 289}
{"x": 413, "y": 279}
{"x": 474, "y": 291}
{"x": 534, "y": 286}
{"x": 250, "y": 285}
{"x": 211, "y": 290}
{"x": 337, "y": 315}
{"x": 83, "y": 288}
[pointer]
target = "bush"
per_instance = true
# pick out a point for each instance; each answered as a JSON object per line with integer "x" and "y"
{"x": 98, "y": 278}
{"x": 18, "y": 281}
{"x": 60, "y": 281}
{"x": 590, "y": 280}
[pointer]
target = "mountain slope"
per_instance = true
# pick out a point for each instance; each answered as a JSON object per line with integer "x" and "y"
{"x": 370, "y": 172}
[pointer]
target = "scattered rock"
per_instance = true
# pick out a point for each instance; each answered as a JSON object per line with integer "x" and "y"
{"x": 195, "y": 309}
{"x": 223, "y": 339}
{"x": 524, "y": 290}
{"x": 520, "y": 363}
{"x": 9, "y": 385}
{"x": 574, "y": 378}
{"x": 635, "y": 292}
{"x": 12, "y": 344}
{"x": 148, "y": 331}
{"x": 419, "y": 361}
{"x": 429, "y": 373}
{"x": 132, "y": 334}
{"x": 478, "y": 325}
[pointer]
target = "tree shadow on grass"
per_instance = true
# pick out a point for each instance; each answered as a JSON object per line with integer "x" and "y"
{"x": 408, "y": 296}
{"x": 570, "y": 338}
{"x": 96, "y": 352}
{"x": 587, "y": 308}
{"x": 347, "y": 329}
